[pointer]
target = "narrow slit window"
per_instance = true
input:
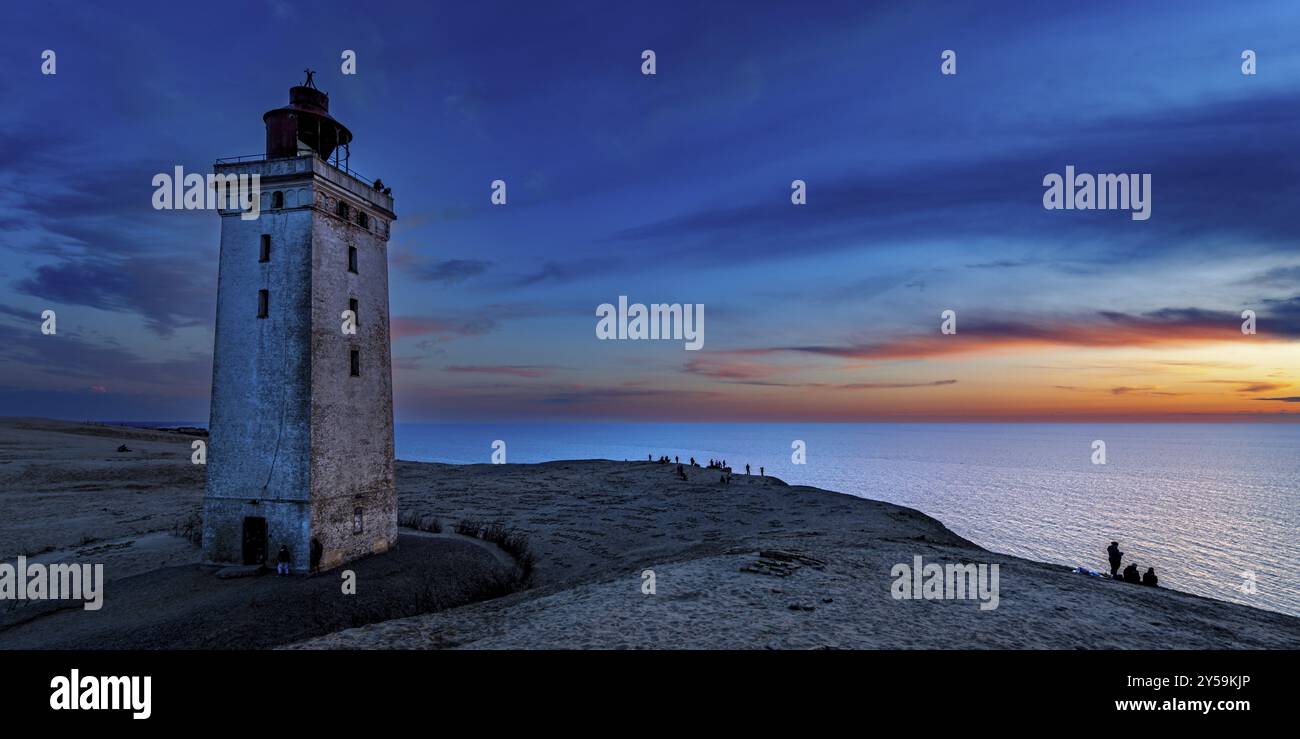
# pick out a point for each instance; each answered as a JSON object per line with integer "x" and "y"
{"x": 265, "y": 254}
{"x": 352, "y": 306}
{"x": 356, "y": 362}
{"x": 263, "y": 303}
{"x": 363, "y": 219}
{"x": 341, "y": 210}
{"x": 352, "y": 259}
{"x": 277, "y": 199}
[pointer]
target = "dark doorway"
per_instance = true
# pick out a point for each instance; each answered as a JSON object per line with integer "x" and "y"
{"x": 254, "y": 540}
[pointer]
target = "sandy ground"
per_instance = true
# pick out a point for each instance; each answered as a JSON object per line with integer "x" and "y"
{"x": 596, "y": 526}
{"x": 823, "y": 559}
{"x": 189, "y": 607}
{"x": 67, "y": 495}
{"x": 64, "y": 485}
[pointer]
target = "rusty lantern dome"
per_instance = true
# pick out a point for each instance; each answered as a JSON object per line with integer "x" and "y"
{"x": 305, "y": 121}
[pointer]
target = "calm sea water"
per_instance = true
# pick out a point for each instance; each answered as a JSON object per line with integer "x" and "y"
{"x": 1204, "y": 504}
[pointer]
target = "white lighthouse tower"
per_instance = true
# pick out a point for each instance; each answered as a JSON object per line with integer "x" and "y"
{"x": 301, "y": 433}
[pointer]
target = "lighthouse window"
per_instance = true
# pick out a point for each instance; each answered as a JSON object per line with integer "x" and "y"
{"x": 356, "y": 363}
{"x": 265, "y": 254}
{"x": 277, "y": 199}
{"x": 341, "y": 210}
{"x": 352, "y": 259}
{"x": 263, "y": 303}
{"x": 363, "y": 219}
{"x": 352, "y": 306}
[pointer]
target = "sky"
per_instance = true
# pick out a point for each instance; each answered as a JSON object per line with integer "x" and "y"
{"x": 924, "y": 194}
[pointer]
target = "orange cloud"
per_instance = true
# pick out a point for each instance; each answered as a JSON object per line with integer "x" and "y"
{"x": 1170, "y": 327}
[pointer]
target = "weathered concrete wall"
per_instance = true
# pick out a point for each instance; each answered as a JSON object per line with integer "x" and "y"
{"x": 352, "y": 417}
{"x": 287, "y": 523}
{"x": 260, "y": 423}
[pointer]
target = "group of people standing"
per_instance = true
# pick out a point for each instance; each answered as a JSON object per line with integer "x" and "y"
{"x": 714, "y": 464}
{"x": 1130, "y": 572}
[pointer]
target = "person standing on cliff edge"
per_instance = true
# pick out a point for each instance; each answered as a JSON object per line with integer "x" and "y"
{"x": 1115, "y": 556}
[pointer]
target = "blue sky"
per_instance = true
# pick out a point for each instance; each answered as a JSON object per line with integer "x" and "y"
{"x": 924, "y": 193}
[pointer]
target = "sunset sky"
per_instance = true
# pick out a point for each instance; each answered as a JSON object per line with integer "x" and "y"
{"x": 924, "y": 195}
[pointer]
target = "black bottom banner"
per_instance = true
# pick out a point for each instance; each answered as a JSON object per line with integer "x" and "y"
{"x": 293, "y": 689}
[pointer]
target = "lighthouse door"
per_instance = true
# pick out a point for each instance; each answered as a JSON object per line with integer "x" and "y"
{"x": 254, "y": 540}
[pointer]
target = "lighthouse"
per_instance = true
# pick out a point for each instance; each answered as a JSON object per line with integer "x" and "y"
{"x": 300, "y": 449}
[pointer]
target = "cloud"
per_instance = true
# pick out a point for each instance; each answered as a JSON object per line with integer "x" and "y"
{"x": 477, "y": 322}
{"x": 97, "y": 240}
{"x": 69, "y": 360}
{"x": 1280, "y": 316}
{"x": 756, "y": 373}
{"x": 584, "y": 395}
{"x": 1250, "y": 386}
{"x": 1002, "y": 264}
{"x": 731, "y": 370}
{"x": 1290, "y": 399}
{"x": 1123, "y": 390}
{"x": 168, "y": 294}
{"x": 514, "y": 370}
{"x": 25, "y": 315}
{"x": 451, "y": 271}
{"x": 1277, "y": 277}
{"x": 999, "y": 195}
{"x": 1105, "y": 329}
{"x": 1262, "y": 387}
{"x": 441, "y": 328}
{"x": 893, "y": 385}
{"x": 561, "y": 272}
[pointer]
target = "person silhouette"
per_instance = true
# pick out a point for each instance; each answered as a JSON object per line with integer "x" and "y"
{"x": 1131, "y": 574}
{"x": 1150, "y": 577}
{"x": 282, "y": 559}
{"x": 746, "y": 469}
{"x": 1115, "y": 555}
